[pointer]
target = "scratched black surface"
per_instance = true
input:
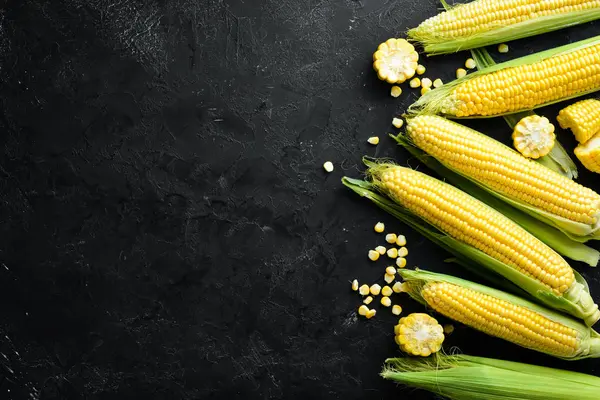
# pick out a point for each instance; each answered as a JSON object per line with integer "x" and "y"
{"x": 166, "y": 228}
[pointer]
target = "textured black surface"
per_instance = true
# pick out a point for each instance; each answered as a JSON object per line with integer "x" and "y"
{"x": 166, "y": 228}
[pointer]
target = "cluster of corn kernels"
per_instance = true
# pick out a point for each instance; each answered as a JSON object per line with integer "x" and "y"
{"x": 398, "y": 254}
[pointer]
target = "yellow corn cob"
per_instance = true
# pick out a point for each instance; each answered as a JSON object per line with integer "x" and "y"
{"x": 534, "y": 136}
{"x": 503, "y": 170}
{"x": 419, "y": 334}
{"x": 589, "y": 153}
{"x": 583, "y": 118}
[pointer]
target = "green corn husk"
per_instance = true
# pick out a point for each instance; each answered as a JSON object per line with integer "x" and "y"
{"x": 576, "y": 301}
{"x": 441, "y": 43}
{"x": 463, "y": 377}
{"x": 588, "y": 339}
{"x": 558, "y": 159}
{"x": 433, "y": 101}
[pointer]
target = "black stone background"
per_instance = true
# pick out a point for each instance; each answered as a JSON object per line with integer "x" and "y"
{"x": 166, "y": 228}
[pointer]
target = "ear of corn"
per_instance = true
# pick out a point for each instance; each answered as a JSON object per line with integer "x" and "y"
{"x": 503, "y": 315}
{"x": 463, "y": 377}
{"x": 519, "y": 85}
{"x": 484, "y": 22}
{"x": 589, "y": 153}
{"x": 583, "y": 118}
{"x": 534, "y": 136}
{"x": 508, "y": 175}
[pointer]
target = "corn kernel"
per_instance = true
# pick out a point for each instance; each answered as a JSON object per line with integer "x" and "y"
{"x": 390, "y": 270}
{"x": 328, "y": 166}
{"x": 363, "y": 290}
{"x": 460, "y": 73}
{"x": 368, "y": 300}
{"x": 397, "y": 122}
{"x": 371, "y": 314}
{"x": 396, "y": 91}
{"x": 363, "y": 310}
{"x": 396, "y": 309}
{"x": 387, "y": 291}
{"x": 425, "y": 90}
{"x": 373, "y": 255}
{"x": 375, "y": 289}
{"x": 355, "y": 285}
{"x": 415, "y": 83}
{"x": 397, "y": 288}
{"x": 420, "y": 69}
{"x": 373, "y": 140}
{"x": 401, "y": 262}
{"x": 392, "y": 253}
{"x": 426, "y": 83}
{"x": 402, "y": 252}
{"x": 389, "y": 278}
{"x": 385, "y": 301}
{"x": 470, "y": 63}
{"x": 448, "y": 329}
{"x": 503, "y": 48}
{"x": 379, "y": 227}
{"x": 380, "y": 249}
{"x": 391, "y": 238}
{"x": 437, "y": 83}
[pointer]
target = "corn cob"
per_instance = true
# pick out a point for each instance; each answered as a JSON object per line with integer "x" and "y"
{"x": 534, "y": 136}
{"x": 522, "y": 258}
{"x": 583, "y": 118}
{"x": 503, "y": 315}
{"x": 571, "y": 207}
{"x": 589, "y": 153}
{"x": 519, "y": 85}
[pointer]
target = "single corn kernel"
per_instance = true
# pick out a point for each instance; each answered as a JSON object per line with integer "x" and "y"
{"x": 391, "y": 238}
{"x": 420, "y": 69}
{"x": 402, "y": 252}
{"x": 380, "y": 249}
{"x": 371, "y": 314}
{"x": 401, "y": 262}
{"x": 470, "y": 63}
{"x": 415, "y": 83}
{"x": 389, "y": 278}
{"x": 387, "y": 291}
{"x": 449, "y": 328}
{"x": 375, "y": 289}
{"x": 395, "y": 60}
{"x": 503, "y": 48}
{"x": 385, "y": 301}
{"x": 396, "y": 91}
{"x": 363, "y": 310}
{"x": 373, "y": 255}
{"x": 397, "y": 122}
{"x": 401, "y": 240}
{"x": 374, "y": 140}
{"x": 399, "y": 287}
{"x": 363, "y": 290}
{"x": 328, "y": 166}
{"x": 425, "y": 90}
{"x": 390, "y": 270}
{"x": 426, "y": 83}
{"x": 461, "y": 73}
{"x": 355, "y": 285}
{"x": 437, "y": 83}
{"x": 392, "y": 253}
{"x": 396, "y": 309}
{"x": 368, "y": 300}
{"x": 379, "y": 227}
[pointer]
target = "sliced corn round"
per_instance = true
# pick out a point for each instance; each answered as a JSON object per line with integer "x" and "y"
{"x": 534, "y": 136}
{"x": 419, "y": 334}
{"x": 395, "y": 61}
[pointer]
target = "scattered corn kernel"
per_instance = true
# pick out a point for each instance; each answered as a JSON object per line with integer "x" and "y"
{"x": 390, "y": 270}
{"x": 461, "y": 73}
{"x": 375, "y": 289}
{"x": 355, "y": 285}
{"x": 387, "y": 291}
{"x": 399, "y": 287}
{"x": 503, "y": 48}
{"x": 392, "y": 253}
{"x": 402, "y": 252}
{"x": 426, "y": 83}
{"x": 373, "y": 255}
{"x": 415, "y": 83}
{"x": 380, "y": 249}
{"x": 373, "y": 140}
{"x": 401, "y": 240}
{"x": 379, "y": 227}
{"x": 371, "y": 314}
{"x": 368, "y": 300}
{"x": 363, "y": 290}
{"x": 391, "y": 238}
{"x": 470, "y": 63}
{"x": 385, "y": 301}
{"x": 449, "y": 328}
{"x": 396, "y": 91}
{"x": 397, "y": 122}
{"x": 363, "y": 310}
{"x": 437, "y": 83}
{"x": 389, "y": 278}
{"x": 401, "y": 262}
{"x": 420, "y": 69}
{"x": 328, "y": 166}
{"x": 396, "y": 309}
{"x": 425, "y": 90}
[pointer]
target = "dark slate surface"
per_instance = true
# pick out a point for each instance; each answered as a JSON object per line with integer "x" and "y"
{"x": 166, "y": 228}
